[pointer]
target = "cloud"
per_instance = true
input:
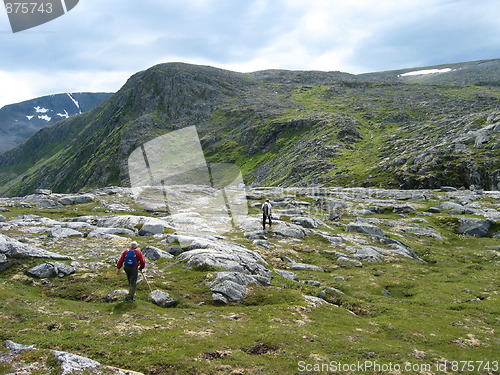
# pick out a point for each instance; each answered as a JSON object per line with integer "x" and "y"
{"x": 100, "y": 43}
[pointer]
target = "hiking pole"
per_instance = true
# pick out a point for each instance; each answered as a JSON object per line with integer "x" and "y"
{"x": 146, "y": 280}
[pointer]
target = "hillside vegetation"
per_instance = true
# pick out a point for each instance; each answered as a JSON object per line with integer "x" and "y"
{"x": 283, "y": 128}
{"x": 354, "y": 276}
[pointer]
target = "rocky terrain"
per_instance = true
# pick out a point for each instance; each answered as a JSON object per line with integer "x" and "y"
{"x": 341, "y": 271}
{"x": 283, "y": 128}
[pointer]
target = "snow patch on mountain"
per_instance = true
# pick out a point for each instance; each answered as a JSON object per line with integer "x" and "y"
{"x": 64, "y": 115}
{"x": 45, "y": 117}
{"x": 39, "y": 109}
{"x": 76, "y": 102}
{"x": 426, "y": 71}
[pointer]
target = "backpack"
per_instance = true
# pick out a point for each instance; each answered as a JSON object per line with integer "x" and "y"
{"x": 266, "y": 208}
{"x": 130, "y": 258}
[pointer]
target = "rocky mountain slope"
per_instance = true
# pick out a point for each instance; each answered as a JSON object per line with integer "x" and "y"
{"x": 20, "y": 121}
{"x": 285, "y": 128}
{"x": 341, "y": 277}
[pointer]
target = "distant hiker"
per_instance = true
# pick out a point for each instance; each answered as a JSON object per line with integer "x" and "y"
{"x": 132, "y": 261}
{"x": 267, "y": 213}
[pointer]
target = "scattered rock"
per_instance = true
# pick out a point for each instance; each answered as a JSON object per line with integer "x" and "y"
{"x": 231, "y": 286}
{"x": 349, "y": 262}
{"x": 226, "y": 255}
{"x": 151, "y": 229}
{"x": 115, "y": 295}
{"x": 360, "y": 227}
{"x": 64, "y": 233}
{"x": 287, "y": 274}
{"x": 474, "y": 227}
{"x": 76, "y": 199}
{"x": 301, "y": 266}
{"x": 307, "y": 222}
{"x": 12, "y": 248}
{"x": 154, "y": 253}
{"x": 110, "y": 233}
{"x": 162, "y": 298}
{"x": 50, "y": 270}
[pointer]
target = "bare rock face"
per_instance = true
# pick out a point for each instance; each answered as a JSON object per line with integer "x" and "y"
{"x": 12, "y": 248}
{"x": 70, "y": 363}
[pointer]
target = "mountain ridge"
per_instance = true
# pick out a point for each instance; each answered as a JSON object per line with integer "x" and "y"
{"x": 281, "y": 128}
{"x": 19, "y": 121}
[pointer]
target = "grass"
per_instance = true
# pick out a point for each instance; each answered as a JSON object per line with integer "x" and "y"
{"x": 400, "y": 311}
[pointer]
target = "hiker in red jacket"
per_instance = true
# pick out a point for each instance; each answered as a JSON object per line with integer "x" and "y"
{"x": 132, "y": 261}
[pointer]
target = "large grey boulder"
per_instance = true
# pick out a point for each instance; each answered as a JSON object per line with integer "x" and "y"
{"x": 64, "y": 233}
{"x": 232, "y": 258}
{"x": 231, "y": 286}
{"x": 50, "y": 270}
{"x": 287, "y": 274}
{"x": 296, "y": 266}
{"x": 365, "y": 228}
{"x": 110, "y": 232}
{"x": 70, "y": 363}
{"x": 162, "y": 298}
{"x": 154, "y": 253}
{"x": 151, "y": 229}
{"x": 12, "y": 248}
{"x": 474, "y": 227}
{"x": 306, "y": 221}
{"x": 128, "y": 221}
{"x": 224, "y": 254}
{"x": 76, "y": 199}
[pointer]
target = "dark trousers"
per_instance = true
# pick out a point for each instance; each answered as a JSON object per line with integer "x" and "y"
{"x": 264, "y": 217}
{"x": 132, "y": 275}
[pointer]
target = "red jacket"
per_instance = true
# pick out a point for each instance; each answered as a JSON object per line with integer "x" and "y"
{"x": 140, "y": 259}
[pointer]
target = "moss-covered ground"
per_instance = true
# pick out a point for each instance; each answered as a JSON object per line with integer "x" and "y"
{"x": 420, "y": 317}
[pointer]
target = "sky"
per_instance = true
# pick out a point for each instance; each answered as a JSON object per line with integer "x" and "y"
{"x": 99, "y": 44}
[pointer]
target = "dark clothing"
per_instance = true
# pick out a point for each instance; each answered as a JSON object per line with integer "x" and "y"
{"x": 132, "y": 275}
{"x": 267, "y": 211}
{"x": 264, "y": 217}
{"x": 132, "y": 271}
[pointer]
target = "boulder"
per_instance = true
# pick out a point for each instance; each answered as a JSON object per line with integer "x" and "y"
{"x": 115, "y": 295}
{"x": 474, "y": 227}
{"x": 231, "y": 286}
{"x": 64, "y": 233}
{"x": 76, "y": 199}
{"x": 50, "y": 270}
{"x": 162, "y": 298}
{"x": 234, "y": 258}
{"x": 287, "y": 274}
{"x": 4, "y": 262}
{"x": 349, "y": 262}
{"x": 154, "y": 253}
{"x": 12, "y": 248}
{"x": 301, "y": 266}
{"x": 70, "y": 363}
{"x": 306, "y": 222}
{"x": 110, "y": 232}
{"x": 231, "y": 291}
{"x": 360, "y": 227}
{"x": 151, "y": 229}
{"x": 174, "y": 250}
